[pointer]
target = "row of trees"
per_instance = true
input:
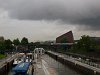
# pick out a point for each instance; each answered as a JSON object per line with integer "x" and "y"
{"x": 23, "y": 45}
{"x": 9, "y": 45}
{"x": 85, "y": 44}
{"x": 24, "y": 41}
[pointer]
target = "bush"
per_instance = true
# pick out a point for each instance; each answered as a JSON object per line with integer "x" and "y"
{"x": 2, "y": 56}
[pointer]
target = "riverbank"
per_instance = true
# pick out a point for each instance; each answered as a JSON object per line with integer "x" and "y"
{"x": 2, "y": 56}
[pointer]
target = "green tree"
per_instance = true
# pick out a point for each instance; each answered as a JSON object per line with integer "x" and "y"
{"x": 24, "y": 41}
{"x": 37, "y": 44}
{"x": 85, "y": 44}
{"x": 16, "y": 42}
{"x": 8, "y": 44}
{"x": 31, "y": 46}
{"x": 2, "y": 46}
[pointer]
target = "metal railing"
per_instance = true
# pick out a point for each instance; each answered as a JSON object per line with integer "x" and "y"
{"x": 89, "y": 63}
{"x": 97, "y": 65}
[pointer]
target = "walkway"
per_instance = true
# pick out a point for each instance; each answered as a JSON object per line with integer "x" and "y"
{"x": 42, "y": 68}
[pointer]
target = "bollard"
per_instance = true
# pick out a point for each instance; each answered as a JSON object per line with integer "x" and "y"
{"x": 94, "y": 72}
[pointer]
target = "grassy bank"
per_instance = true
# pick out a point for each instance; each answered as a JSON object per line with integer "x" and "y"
{"x": 2, "y": 56}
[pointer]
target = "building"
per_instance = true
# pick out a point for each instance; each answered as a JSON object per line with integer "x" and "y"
{"x": 96, "y": 39}
{"x": 65, "y": 38}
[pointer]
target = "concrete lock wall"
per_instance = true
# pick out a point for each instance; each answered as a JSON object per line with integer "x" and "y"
{"x": 6, "y": 67}
{"x": 3, "y": 70}
{"x": 72, "y": 65}
{"x": 52, "y": 55}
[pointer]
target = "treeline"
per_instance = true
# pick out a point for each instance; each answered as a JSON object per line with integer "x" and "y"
{"x": 8, "y": 45}
{"x": 86, "y": 45}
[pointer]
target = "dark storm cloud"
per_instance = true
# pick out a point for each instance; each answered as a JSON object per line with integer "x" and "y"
{"x": 76, "y": 12}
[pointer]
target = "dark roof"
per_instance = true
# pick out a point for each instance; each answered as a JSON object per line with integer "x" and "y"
{"x": 21, "y": 67}
{"x": 62, "y": 43}
{"x": 64, "y": 34}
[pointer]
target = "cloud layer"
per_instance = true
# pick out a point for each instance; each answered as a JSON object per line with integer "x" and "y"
{"x": 77, "y": 12}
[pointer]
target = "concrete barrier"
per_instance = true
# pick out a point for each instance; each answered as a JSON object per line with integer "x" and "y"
{"x": 78, "y": 67}
{"x": 4, "y": 69}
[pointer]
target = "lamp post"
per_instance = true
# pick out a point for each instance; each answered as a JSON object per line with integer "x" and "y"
{"x": 12, "y": 50}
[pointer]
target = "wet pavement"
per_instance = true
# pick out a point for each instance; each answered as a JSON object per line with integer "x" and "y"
{"x": 59, "y": 68}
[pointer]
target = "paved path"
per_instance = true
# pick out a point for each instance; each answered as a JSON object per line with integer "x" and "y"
{"x": 48, "y": 69}
{"x": 42, "y": 68}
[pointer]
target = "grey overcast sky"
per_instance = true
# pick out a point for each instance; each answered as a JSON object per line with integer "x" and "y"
{"x": 46, "y": 19}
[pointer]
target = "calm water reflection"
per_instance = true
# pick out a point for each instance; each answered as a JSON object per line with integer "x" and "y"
{"x": 61, "y": 69}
